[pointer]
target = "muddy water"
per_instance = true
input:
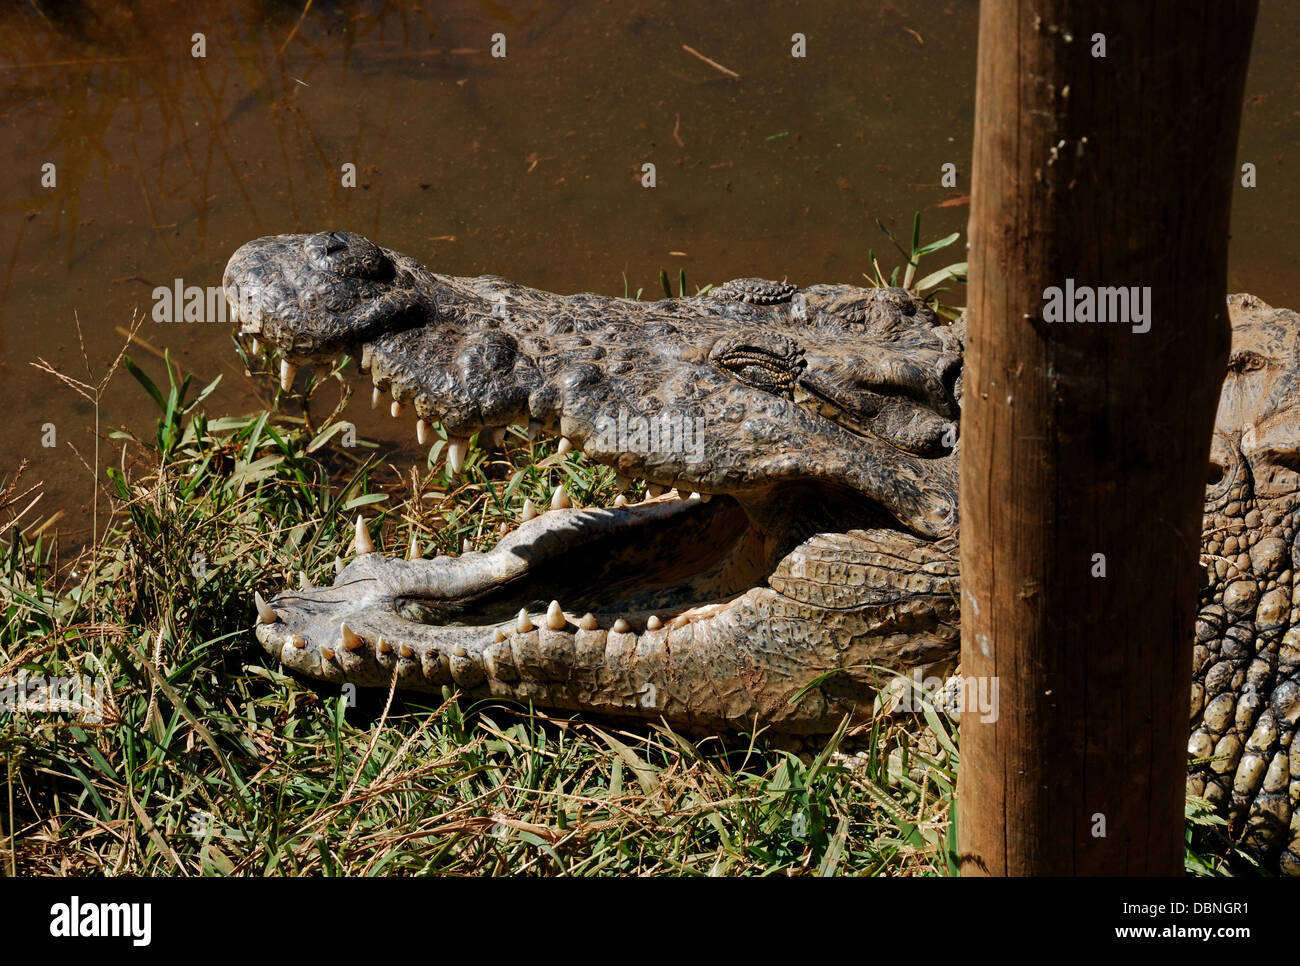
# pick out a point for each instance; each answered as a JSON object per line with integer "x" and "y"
{"x": 527, "y": 165}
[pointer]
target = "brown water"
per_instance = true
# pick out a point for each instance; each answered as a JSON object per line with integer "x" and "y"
{"x": 527, "y": 166}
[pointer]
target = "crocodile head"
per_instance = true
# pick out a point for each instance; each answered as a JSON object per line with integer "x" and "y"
{"x": 806, "y": 438}
{"x": 1246, "y": 670}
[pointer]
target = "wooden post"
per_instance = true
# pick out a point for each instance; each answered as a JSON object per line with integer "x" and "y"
{"x": 1105, "y": 156}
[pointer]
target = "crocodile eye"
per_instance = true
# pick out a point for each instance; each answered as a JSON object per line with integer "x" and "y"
{"x": 347, "y": 253}
{"x": 1246, "y": 361}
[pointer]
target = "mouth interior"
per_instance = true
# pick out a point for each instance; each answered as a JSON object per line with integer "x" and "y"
{"x": 687, "y": 554}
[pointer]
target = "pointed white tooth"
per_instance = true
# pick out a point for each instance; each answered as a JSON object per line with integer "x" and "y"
{"x": 264, "y": 612}
{"x": 564, "y": 445}
{"x": 362, "y": 543}
{"x": 498, "y": 635}
{"x": 694, "y": 495}
{"x": 374, "y": 397}
{"x": 350, "y": 639}
{"x": 653, "y": 623}
{"x": 588, "y": 622}
{"x": 528, "y": 512}
{"x": 256, "y": 346}
{"x": 653, "y": 490}
{"x": 465, "y": 545}
{"x": 457, "y": 447}
{"x": 621, "y": 482}
{"x": 421, "y": 432}
{"x": 396, "y": 409}
{"x": 287, "y": 371}
{"x": 383, "y": 647}
{"x": 498, "y": 436}
{"x": 560, "y": 498}
{"x": 338, "y": 565}
{"x": 405, "y": 651}
{"x": 620, "y": 500}
{"x": 365, "y": 357}
{"x": 327, "y": 653}
{"x": 304, "y": 582}
{"x": 523, "y": 624}
{"x": 461, "y": 651}
{"x": 534, "y": 430}
{"x": 413, "y": 551}
{"x": 555, "y": 616}
{"x": 298, "y": 641}
{"x": 621, "y": 626}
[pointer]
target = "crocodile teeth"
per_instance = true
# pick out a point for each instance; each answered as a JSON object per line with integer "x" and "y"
{"x": 404, "y": 651}
{"x": 457, "y": 447}
{"x": 366, "y": 352}
{"x": 421, "y": 432}
{"x": 654, "y": 623}
{"x": 654, "y": 489}
{"x": 465, "y": 545}
{"x": 524, "y": 623}
{"x": 498, "y": 635}
{"x": 563, "y": 446}
{"x": 497, "y": 435}
{"x": 374, "y": 397}
{"x": 620, "y": 500}
{"x": 396, "y": 409}
{"x": 264, "y": 612}
{"x": 588, "y": 622}
{"x": 362, "y": 542}
{"x": 528, "y": 512}
{"x": 304, "y": 582}
{"x": 351, "y": 641}
{"x": 694, "y": 496}
{"x": 413, "y": 552}
{"x": 534, "y": 430}
{"x": 256, "y": 346}
{"x": 621, "y": 626}
{"x": 298, "y": 641}
{"x": 555, "y": 617}
{"x": 287, "y": 371}
{"x": 383, "y": 647}
{"x": 338, "y": 565}
{"x": 560, "y": 498}
{"x": 327, "y": 653}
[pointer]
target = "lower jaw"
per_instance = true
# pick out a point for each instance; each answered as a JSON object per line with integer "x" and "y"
{"x": 691, "y": 674}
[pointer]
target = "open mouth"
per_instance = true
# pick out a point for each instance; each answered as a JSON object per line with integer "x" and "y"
{"x": 800, "y": 518}
{"x": 659, "y": 559}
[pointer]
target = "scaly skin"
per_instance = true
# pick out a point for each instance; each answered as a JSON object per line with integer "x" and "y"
{"x": 828, "y": 418}
{"x": 1246, "y": 685}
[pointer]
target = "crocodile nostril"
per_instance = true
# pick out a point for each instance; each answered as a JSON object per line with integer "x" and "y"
{"x": 336, "y": 242}
{"x": 1214, "y": 475}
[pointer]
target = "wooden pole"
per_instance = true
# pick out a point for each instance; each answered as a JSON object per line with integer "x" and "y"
{"x": 1105, "y": 156}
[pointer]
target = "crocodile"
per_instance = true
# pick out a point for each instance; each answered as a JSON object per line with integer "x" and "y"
{"x": 798, "y": 540}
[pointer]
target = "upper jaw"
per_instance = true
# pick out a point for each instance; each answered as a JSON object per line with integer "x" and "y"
{"x": 308, "y": 312}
